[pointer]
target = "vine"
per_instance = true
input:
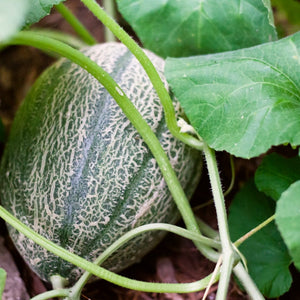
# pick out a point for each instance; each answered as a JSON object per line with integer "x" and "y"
{"x": 216, "y": 247}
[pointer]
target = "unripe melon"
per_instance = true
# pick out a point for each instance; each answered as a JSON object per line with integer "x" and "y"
{"x": 77, "y": 172}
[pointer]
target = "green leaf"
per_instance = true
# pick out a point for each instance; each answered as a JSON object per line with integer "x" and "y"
{"x": 12, "y": 17}
{"x": 288, "y": 220}
{"x": 276, "y": 173}
{"x": 267, "y": 256}
{"x": 242, "y": 101}
{"x": 2, "y": 281}
{"x": 39, "y": 9}
{"x": 179, "y": 28}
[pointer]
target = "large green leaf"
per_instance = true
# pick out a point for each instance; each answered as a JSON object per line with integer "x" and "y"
{"x": 276, "y": 173}
{"x": 288, "y": 220}
{"x": 12, "y": 17}
{"x": 267, "y": 257}
{"x": 2, "y": 281}
{"x": 179, "y": 28}
{"x": 242, "y": 101}
{"x": 39, "y": 9}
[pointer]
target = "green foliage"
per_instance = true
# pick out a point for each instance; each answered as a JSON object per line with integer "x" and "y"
{"x": 267, "y": 256}
{"x": 182, "y": 28}
{"x": 39, "y": 9}
{"x": 17, "y": 14}
{"x": 2, "y": 281}
{"x": 276, "y": 173}
{"x": 287, "y": 219}
{"x": 12, "y": 17}
{"x": 242, "y": 101}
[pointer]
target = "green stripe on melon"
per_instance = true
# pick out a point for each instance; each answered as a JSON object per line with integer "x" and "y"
{"x": 77, "y": 172}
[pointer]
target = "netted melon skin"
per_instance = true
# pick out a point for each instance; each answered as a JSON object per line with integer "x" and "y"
{"x": 77, "y": 172}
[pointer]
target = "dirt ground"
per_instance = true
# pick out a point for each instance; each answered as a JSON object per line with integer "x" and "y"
{"x": 175, "y": 259}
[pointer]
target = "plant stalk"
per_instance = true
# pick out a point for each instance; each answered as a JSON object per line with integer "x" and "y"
{"x": 254, "y": 230}
{"x": 227, "y": 248}
{"x": 247, "y": 282}
{"x": 52, "y": 294}
{"x": 158, "y": 85}
{"x": 99, "y": 271}
{"x": 109, "y": 6}
{"x": 77, "y": 288}
{"x": 76, "y": 24}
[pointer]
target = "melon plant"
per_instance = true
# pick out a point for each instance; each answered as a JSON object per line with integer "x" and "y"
{"x": 77, "y": 172}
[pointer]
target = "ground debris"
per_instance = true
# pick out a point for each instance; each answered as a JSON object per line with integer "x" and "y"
{"x": 14, "y": 287}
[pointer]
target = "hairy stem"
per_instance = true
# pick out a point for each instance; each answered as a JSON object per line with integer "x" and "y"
{"x": 76, "y": 24}
{"x": 227, "y": 248}
{"x": 253, "y": 231}
{"x": 229, "y": 189}
{"x": 158, "y": 85}
{"x": 247, "y": 282}
{"x": 109, "y": 6}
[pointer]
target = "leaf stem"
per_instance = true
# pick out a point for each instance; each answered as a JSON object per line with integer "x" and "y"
{"x": 254, "y": 230}
{"x": 229, "y": 189}
{"x": 227, "y": 248}
{"x": 109, "y": 6}
{"x": 158, "y": 85}
{"x": 52, "y": 294}
{"x": 61, "y": 36}
{"x": 76, "y": 24}
{"x": 247, "y": 282}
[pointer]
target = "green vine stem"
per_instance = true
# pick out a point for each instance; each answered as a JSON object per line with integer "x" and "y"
{"x": 76, "y": 289}
{"x": 207, "y": 230}
{"x": 76, "y": 24}
{"x": 101, "y": 272}
{"x": 110, "y": 8}
{"x": 247, "y": 282}
{"x": 61, "y": 36}
{"x": 158, "y": 85}
{"x": 227, "y": 248}
{"x": 52, "y": 294}
{"x": 229, "y": 189}
{"x": 43, "y": 43}
{"x": 254, "y": 230}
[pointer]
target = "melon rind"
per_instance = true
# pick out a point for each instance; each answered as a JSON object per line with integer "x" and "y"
{"x": 77, "y": 172}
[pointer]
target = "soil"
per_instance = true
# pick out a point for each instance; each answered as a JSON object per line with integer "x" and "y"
{"x": 175, "y": 259}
